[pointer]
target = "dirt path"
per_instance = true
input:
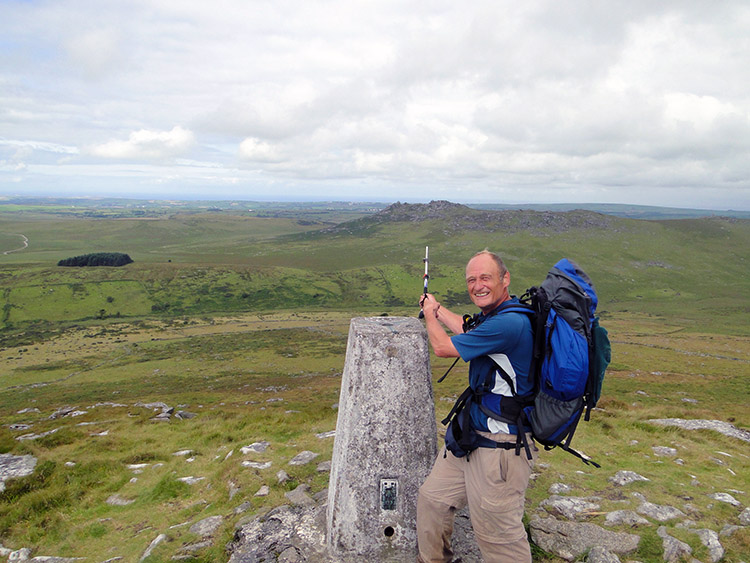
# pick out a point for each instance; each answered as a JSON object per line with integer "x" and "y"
{"x": 25, "y": 241}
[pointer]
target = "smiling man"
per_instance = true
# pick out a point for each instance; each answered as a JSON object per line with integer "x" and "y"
{"x": 491, "y": 479}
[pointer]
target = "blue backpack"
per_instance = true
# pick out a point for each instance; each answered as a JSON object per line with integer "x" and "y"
{"x": 571, "y": 354}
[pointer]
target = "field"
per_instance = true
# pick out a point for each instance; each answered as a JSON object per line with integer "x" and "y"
{"x": 242, "y": 320}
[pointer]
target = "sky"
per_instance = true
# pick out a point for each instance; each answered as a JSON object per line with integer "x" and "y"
{"x": 493, "y": 101}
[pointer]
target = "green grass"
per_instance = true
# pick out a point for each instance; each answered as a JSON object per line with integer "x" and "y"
{"x": 228, "y": 376}
{"x": 247, "y": 327}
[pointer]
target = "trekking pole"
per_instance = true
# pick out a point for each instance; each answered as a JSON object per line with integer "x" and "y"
{"x": 426, "y": 261}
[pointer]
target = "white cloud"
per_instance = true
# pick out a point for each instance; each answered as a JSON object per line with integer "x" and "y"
{"x": 95, "y": 52}
{"x": 255, "y": 150}
{"x": 147, "y": 145}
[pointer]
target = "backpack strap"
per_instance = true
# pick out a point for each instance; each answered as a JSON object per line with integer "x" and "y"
{"x": 469, "y": 395}
{"x": 458, "y": 405}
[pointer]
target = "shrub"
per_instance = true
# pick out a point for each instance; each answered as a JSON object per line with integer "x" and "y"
{"x": 97, "y": 259}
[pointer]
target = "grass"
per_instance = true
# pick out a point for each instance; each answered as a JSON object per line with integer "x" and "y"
{"x": 243, "y": 376}
{"x": 247, "y": 328}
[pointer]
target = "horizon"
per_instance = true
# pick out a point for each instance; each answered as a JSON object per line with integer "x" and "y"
{"x": 362, "y": 201}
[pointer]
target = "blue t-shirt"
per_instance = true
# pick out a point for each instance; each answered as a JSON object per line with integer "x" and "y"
{"x": 507, "y": 336}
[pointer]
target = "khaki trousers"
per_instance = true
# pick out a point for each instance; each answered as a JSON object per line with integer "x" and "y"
{"x": 493, "y": 484}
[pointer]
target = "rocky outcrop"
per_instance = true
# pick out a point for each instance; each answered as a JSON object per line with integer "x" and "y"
{"x": 570, "y": 540}
{"x": 715, "y": 425}
{"x": 455, "y": 217}
{"x": 295, "y": 533}
{"x": 14, "y": 466}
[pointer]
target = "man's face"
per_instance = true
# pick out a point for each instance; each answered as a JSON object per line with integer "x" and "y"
{"x": 487, "y": 288}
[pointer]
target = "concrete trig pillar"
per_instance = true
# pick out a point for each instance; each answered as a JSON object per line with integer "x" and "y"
{"x": 386, "y": 441}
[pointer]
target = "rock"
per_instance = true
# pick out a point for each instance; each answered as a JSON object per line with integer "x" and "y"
{"x": 674, "y": 549}
{"x": 303, "y": 457}
{"x": 137, "y": 468}
{"x": 256, "y": 464}
{"x": 300, "y": 496}
{"x": 282, "y": 528}
{"x": 745, "y": 517}
{"x": 190, "y": 480}
{"x": 37, "y": 436}
{"x": 60, "y": 413}
{"x": 570, "y": 539}
{"x": 710, "y": 539}
{"x": 183, "y": 453}
{"x": 282, "y": 477}
{"x": 299, "y": 531}
{"x": 715, "y": 425}
{"x": 730, "y": 529}
{"x": 662, "y": 513}
{"x": 559, "y": 488}
{"x": 256, "y": 447}
{"x": 290, "y": 555}
{"x": 188, "y": 550}
{"x": 184, "y": 415}
{"x": 323, "y": 435}
{"x": 157, "y": 540}
{"x": 53, "y": 559}
{"x": 569, "y": 507}
{"x": 153, "y": 406}
{"x": 624, "y": 518}
{"x": 107, "y": 404}
{"x": 244, "y": 507}
{"x": 15, "y": 466}
{"x": 117, "y": 500}
{"x": 601, "y": 555}
{"x": 622, "y": 478}
{"x": 725, "y": 497}
{"x": 264, "y": 491}
{"x": 233, "y": 489}
{"x": 324, "y": 467}
{"x": 20, "y": 554}
{"x": 663, "y": 451}
{"x": 207, "y": 527}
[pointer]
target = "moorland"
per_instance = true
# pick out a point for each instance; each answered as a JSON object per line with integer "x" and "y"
{"x": 240, "y": 316}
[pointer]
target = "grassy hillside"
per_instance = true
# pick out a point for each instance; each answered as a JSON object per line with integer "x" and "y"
{"x": 247, "y": 325}
{"x": 206, "y": 263}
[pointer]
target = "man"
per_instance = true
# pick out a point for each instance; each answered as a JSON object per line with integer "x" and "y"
{"x": 492, "y": 481}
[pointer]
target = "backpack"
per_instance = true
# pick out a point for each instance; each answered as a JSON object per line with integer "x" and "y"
{"x": 571, "y": 354}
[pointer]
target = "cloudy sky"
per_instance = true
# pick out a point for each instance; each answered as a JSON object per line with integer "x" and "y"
{"x": 480, "y": 101}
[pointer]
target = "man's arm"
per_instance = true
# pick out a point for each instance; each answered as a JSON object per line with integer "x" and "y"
{"x": 435, "y": 317}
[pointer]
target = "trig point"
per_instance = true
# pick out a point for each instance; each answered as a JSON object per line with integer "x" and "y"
{"x": 386, "y": 441}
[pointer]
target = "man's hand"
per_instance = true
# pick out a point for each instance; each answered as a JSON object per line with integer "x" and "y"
{"x": 429, "y": 304}
{"x": 435, "y": 317}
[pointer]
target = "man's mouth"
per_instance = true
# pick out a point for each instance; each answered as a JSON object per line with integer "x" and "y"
{"x": 482, "y": 294}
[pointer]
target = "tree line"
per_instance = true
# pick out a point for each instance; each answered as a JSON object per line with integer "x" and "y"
{"x": 97, "y": 259}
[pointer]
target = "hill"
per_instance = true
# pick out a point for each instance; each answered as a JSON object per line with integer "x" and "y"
{"x": 629, "y": 211}
{"x": 210, "y": 262}
{"x": 174, "y": 391}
